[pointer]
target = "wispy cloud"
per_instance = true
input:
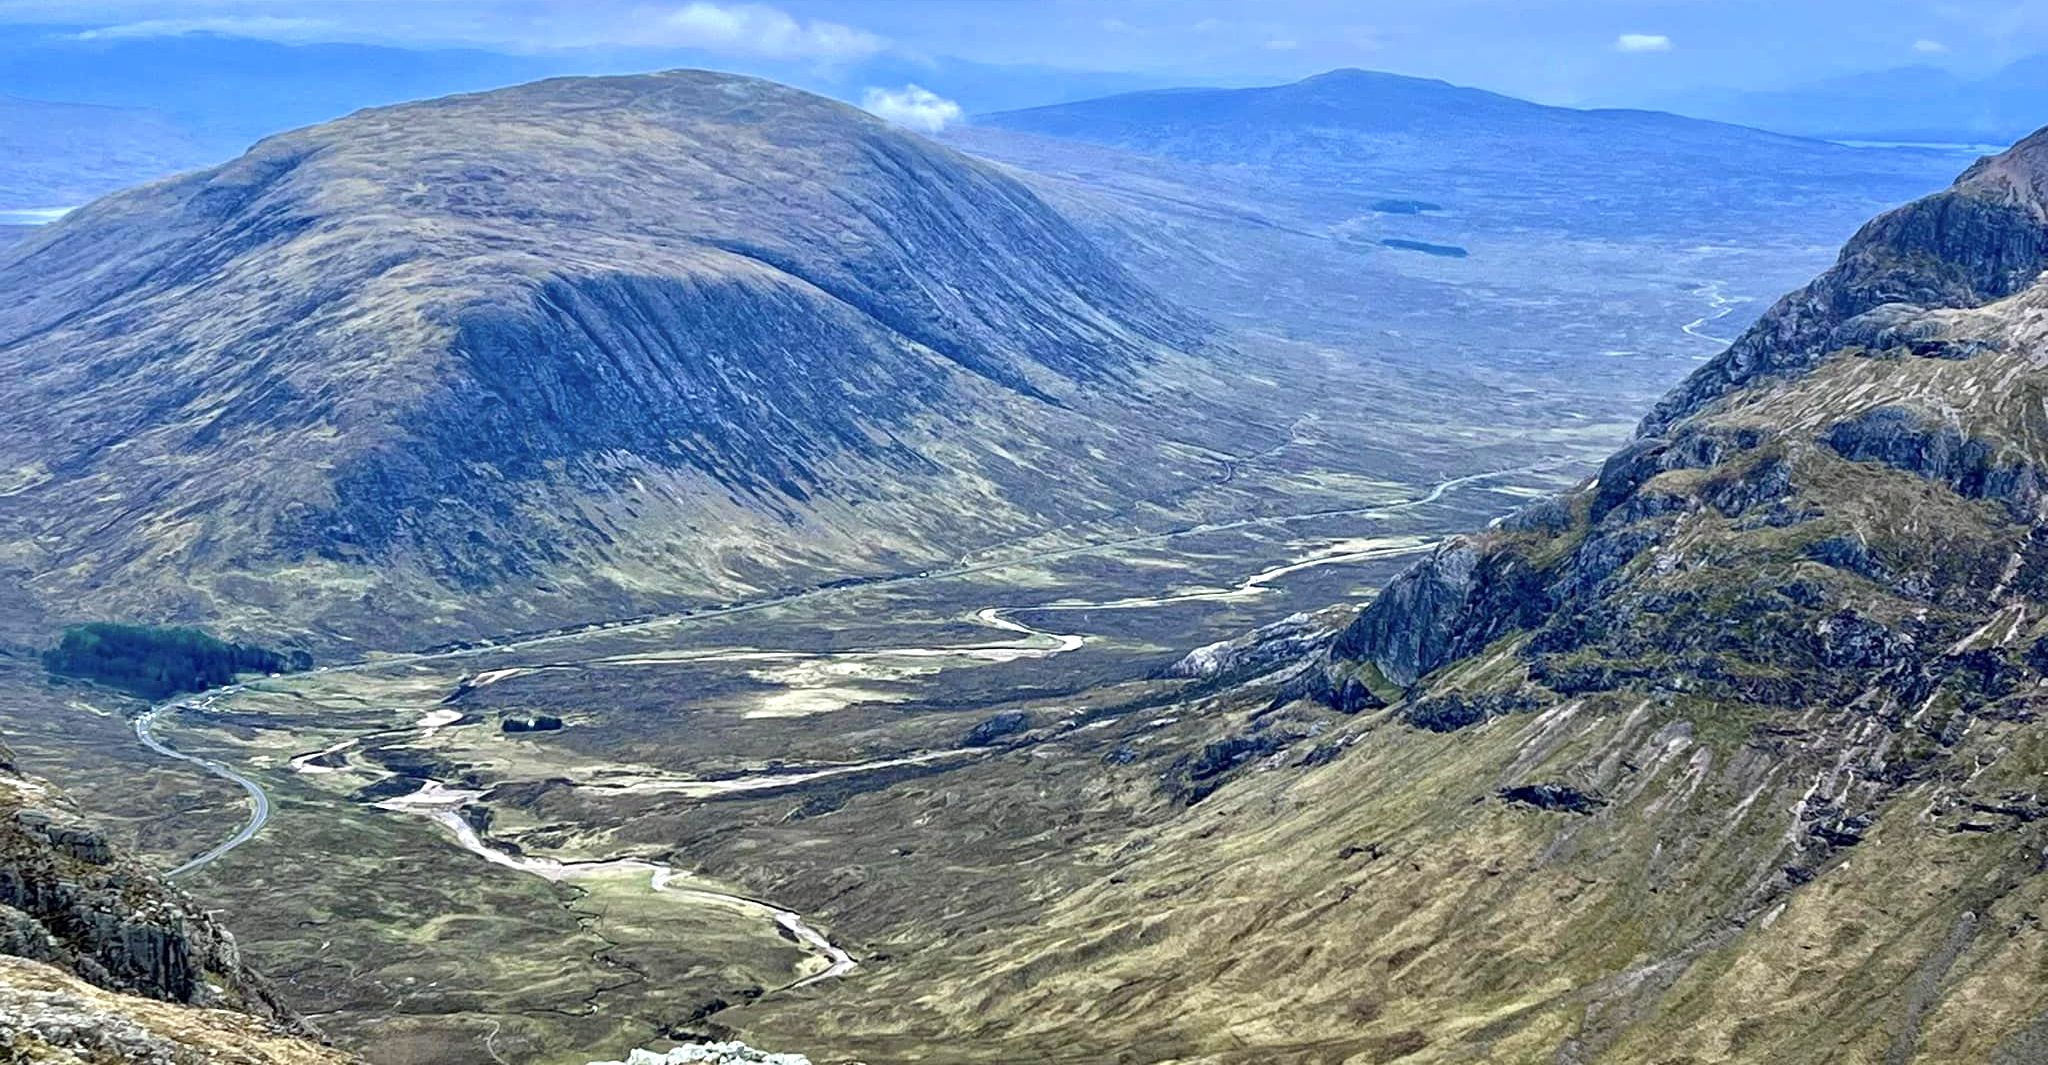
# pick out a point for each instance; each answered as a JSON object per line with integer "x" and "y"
{"x": 1642, "y": 42}
{"x": 1928, "y": 47}
{"x": 269, "y": 27}
{"x": 718, "y": 27}
{"x": 912, "y": 106}
{"x": 753, "y": 29}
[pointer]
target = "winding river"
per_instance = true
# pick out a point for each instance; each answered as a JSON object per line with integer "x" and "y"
{"x": 443, "y": 804}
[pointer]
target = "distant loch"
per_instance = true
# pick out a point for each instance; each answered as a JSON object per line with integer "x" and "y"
{"x": 1447, "y": 251}
{"x": 1407, "y": 207}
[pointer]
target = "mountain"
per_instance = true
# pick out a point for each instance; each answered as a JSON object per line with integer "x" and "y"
{"x": 229, "y": 91}
{"x": 58, "y": 155}
{"x": 1917, "y": 103}
{"x": 1611, "y": 171}
{"x": 1583, "y": 260}
{"x": 570, "y": 349}
{"x": 147, "y": 106}
{"x": 1733, "y": 753}
{"x": 101, "y": 960}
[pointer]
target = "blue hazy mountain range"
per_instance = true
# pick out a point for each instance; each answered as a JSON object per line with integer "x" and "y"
{"x": 1917, "y": 103}
{"x": 194, "y": 99}
{"x": 1351, "y": 131}
{"x": 184, "y": 101}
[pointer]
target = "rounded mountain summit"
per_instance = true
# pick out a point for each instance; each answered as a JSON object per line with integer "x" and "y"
{"x": 579, "y": 347}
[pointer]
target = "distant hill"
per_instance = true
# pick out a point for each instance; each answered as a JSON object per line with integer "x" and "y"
{"x": 1602, "y": 251}
{"x": 63, "y": 154}
{"x": 1619, "y": 171}
{"x": 567, "y": 350}
{"x": 1911, "y": 104}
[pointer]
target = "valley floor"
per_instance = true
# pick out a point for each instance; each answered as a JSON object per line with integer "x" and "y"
{"x": 701, "y": 831}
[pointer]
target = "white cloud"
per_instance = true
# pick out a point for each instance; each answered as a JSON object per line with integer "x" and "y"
{"x": 265, "y": 26}
{"x": 1642, "y": 42}
{"x": 719, "y": 27}
{"x": 754, "y": 29}
{"x": 912, "y": 106}
{"x": 1927, "y": 47}
{"x": 1282, "y": 44}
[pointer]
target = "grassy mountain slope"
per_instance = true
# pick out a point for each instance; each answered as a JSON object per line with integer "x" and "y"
{"x": 564, "y": 350}
{"x": 1730, "y": 755}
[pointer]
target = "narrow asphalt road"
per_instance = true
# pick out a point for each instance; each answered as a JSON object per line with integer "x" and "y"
{"x": 259, "y": 803}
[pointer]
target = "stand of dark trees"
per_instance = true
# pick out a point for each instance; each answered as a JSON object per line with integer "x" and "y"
{"x": 156, "y": 662}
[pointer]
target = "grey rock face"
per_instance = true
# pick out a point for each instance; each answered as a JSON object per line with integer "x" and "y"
{"x": 1981, "y": 240}
{"x": 68, "y": 898}
{"x": 1901, "y": 439}
{"x": 1446, "y": 606}
{"x": 1268, "y": 646}
{"x": 1415, "y": 624}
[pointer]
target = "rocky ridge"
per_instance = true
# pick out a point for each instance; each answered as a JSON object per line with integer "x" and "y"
{"x": 1731, "y": 754}
{"x": 100, "y": 960}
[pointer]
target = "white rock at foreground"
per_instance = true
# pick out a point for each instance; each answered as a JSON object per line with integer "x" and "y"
{"x": 734, "y": 1053}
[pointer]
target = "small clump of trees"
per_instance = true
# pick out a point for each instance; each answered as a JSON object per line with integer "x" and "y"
{"x": 157, "y": 661}
{"x": 537, "y": 723}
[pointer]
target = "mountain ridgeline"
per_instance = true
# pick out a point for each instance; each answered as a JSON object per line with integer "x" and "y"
{"x": 1731, "y": 754}
{"x": 1349, "y": 136}
{"x": 614, "y": 341}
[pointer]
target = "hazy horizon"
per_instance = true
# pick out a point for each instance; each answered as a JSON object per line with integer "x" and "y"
{"x": 1600, "y": 54}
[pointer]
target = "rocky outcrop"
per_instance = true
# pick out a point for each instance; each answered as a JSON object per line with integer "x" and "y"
{"x": 101, "y": 960}
{"x": 994, "y": 730}
{"x": 50, "y": 1016}
{"x": 1267, "y": 647}
{"x": 1973, "y": 468}
{"x": 1445, "y": 607}
{"x": 1560, "y": 797}
{"x": 1194, "y": 777}
{"x": 68, "y": 898}
{"x": 1981, "y": 240}
{"x": 727, "y": 1053}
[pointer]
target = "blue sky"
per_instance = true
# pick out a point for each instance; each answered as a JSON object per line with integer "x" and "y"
{"x": 1559, "y": 51}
